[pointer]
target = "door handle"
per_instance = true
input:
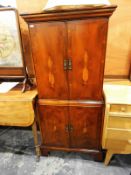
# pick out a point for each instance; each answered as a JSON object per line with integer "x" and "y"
{"x": 69, "y": 128}
{"x": 67, "y": 64}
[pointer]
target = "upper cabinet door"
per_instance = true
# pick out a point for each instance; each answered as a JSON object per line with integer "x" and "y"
{"x": 86, "y": 50}
{"x": 48, "y": 41}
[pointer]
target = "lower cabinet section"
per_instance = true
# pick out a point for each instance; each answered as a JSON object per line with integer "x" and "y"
{"x": 71, "y": 126}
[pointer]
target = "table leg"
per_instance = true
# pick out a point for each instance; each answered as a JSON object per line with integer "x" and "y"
{"x": 37, "y": 147}
{"x": 108, "y": 157}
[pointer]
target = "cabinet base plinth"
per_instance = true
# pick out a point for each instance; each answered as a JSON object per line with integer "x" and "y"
{"x": 96, "y": 154}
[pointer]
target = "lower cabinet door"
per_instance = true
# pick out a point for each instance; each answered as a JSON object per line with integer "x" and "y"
{"x": 85, "y": 127}
{"x": 53, "y": 124}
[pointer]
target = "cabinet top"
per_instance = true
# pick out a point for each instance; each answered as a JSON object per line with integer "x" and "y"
{"x": 70, "y": 13}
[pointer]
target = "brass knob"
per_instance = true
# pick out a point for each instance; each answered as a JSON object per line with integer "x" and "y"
{"x": 123, "y": 109}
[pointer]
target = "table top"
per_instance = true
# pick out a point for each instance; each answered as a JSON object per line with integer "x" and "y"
{"x": 117, "y": 92}
{"x": 18, "y": 95}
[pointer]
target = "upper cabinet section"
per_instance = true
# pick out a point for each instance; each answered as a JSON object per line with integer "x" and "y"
{"x": 68, "y": 50}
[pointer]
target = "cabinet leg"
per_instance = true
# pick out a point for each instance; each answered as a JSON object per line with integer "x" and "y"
{"x": 99, "y": 157}
{"x": 108, "y": 157}
{"x": 37, "y": 147}
{"x": 44, "y": 152}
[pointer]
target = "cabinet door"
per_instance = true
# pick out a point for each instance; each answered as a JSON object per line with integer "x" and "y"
{"x": 85, "y": 127}
{"x": 48, "y": 51}
{"x": 53, "y": 122}
{"x": 86, "y": 49}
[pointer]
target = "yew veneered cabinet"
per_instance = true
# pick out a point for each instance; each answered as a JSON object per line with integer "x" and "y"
{"x": 68, "y": 50}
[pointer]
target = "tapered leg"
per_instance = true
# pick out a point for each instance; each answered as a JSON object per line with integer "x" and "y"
{"x": 37, "y": 147}
{"x": 108, "y": 157}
